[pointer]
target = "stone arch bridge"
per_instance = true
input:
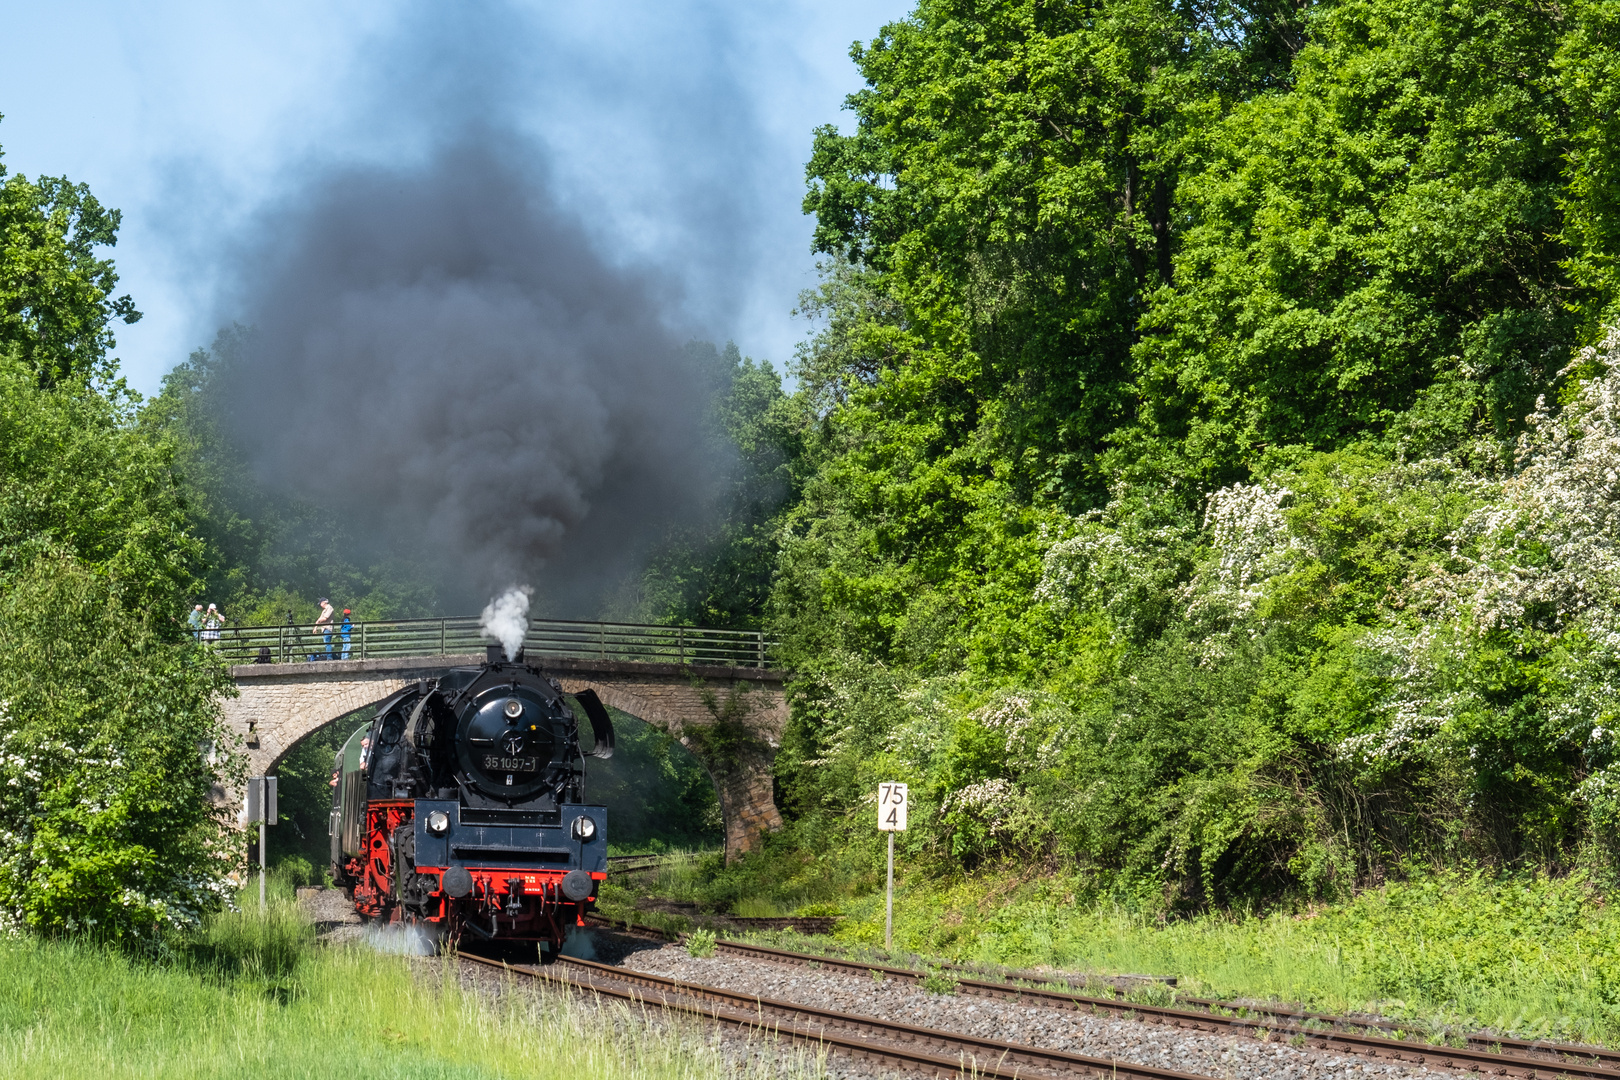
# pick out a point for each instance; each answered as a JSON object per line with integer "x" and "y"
{"x": 730, "y": 718}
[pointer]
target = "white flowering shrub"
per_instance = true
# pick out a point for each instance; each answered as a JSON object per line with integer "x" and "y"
{"x": 1077, "y": 569}
{"x": 999, "y": 784}
{"x": 108, "y": 827}
{"x": 1111, "y": 562}
{"x": 1547, "y": 550}
{"x": 1353, "y": 664}
{"x": 1250, "y": 543}
{"x": 1504, "y": 656}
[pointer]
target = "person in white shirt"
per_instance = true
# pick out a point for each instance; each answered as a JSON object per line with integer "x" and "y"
{"x": 323, "y": 625}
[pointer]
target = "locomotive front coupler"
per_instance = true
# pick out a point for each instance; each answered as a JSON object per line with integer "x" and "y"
{"x": 514, "y": 897}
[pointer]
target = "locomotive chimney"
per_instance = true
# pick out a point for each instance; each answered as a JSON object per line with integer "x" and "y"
{"x": 494, "y": 654}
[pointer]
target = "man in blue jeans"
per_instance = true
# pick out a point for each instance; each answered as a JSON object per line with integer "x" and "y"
{"x": 323, "y": 625}
{"x": 344, "y": 631}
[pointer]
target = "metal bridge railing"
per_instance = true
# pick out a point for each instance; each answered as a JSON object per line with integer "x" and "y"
{"x": 454, "y": 636}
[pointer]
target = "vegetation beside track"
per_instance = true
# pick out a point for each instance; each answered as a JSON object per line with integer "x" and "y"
{"x": 252, "y": 995}
{"x": 1524, "y": 955}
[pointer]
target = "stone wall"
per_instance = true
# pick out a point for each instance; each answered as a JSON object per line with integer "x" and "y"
{"x": 730, "y": 718}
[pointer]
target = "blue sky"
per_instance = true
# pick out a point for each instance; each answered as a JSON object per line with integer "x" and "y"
{"x": 676, "y": 131}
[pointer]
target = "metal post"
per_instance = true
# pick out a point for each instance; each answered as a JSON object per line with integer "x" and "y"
{"x": 281, "y": 644}
{"x": 888, "y": 903}
{"x": 262, "y": 824}
{"x": 363, "y": 641}
{"x": 442, "y": 647}
{"x": 760, "y": 636}
{"x": 680, "y": 642}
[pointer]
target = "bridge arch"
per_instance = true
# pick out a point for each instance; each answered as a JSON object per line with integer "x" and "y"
{"x": 731, "y": 719}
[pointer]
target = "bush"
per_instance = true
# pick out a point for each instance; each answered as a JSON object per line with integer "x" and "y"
{"x": 700, "y": 943}
{"x": 295, "y": 870}
{"x": 111, "y": 747}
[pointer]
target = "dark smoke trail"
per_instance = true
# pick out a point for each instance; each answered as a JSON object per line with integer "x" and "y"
{"x": 441, "y": 356}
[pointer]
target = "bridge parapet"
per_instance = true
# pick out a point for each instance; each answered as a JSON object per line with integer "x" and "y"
{"x": 456, "y": 636}
{"x": 730, "y": 717}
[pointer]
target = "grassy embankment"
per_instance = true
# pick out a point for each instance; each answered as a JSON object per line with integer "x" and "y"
{"x": 256, "y": 997}
{"x": 1530, "y": 956}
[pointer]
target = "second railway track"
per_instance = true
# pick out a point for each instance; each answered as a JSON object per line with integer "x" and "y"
{"x": 1486, "y": 1054}
{"x": 931, "y": 1051}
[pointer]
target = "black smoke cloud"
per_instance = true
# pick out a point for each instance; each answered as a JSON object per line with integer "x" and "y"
{"x": 442, "y": 358}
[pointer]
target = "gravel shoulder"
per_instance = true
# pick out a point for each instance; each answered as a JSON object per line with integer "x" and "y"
{"x": 333, "y": 915}
{"x": 1220, "y": 1056}
{"x": 1226, "y": 1057}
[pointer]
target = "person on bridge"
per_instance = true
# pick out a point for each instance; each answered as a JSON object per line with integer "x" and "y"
{"x": 323, "y": 626}
{"x": 345, "y": 631}
{"x": 211, "y": 624}
{"x": 195, "y": 621}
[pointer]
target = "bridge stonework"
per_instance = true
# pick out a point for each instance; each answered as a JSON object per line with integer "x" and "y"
{"x": 731, "y": 719}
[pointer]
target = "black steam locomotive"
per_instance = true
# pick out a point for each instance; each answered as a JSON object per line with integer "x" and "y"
{"x": 461, "y": 807}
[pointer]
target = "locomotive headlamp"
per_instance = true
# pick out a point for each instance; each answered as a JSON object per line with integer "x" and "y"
{"x": 438, "y": 823}
{"x": 584, "y": 828}
{"x": 514, "y": 708}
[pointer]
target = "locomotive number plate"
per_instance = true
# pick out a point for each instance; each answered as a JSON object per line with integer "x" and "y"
{"x": 494, "y": 763}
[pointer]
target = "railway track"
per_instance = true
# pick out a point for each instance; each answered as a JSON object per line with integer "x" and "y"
{"x": 633, "y": 864}
{"x": 930, "y": 1051}
{"x": 1487, "y": 1054}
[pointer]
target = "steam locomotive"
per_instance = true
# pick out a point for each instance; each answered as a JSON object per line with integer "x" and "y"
{"x": 461, "y": 807}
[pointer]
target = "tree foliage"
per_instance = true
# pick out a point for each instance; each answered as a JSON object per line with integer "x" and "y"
{"x": 1184, "y": 497}
{"x": 1376, "y": 251}
{"x": 111, "y": 750}
{"x": 77, "y": 478}
{"x": 56, "y": 302}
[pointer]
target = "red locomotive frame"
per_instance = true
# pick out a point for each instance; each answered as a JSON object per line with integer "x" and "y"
{"x": 529, "y": 901}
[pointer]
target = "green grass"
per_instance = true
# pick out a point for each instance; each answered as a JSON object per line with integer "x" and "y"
{"x": 252, "y": 996}
{"x": 1532, "y": 957}
{"x": 1528, "y": 956}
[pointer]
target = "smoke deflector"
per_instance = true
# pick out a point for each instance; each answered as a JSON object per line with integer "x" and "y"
{"x": 601, "y": 723}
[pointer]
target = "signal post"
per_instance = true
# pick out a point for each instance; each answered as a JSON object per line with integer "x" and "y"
{"x": 261, "y": 807}
{"x": 892, "y": 802}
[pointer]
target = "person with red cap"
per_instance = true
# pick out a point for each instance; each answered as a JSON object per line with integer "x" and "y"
{"x": 345, "y": 630}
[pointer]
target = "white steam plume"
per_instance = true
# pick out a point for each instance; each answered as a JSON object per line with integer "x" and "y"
{"x": 506, "y": 619}
{"x": 400, "y": 940}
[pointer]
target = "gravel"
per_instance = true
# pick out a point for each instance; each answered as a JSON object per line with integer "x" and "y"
{"x": 334, "y": 916}
{"x": 1226, "y": 1057}
{"x": 734, "y": 1054}
{"x": 1223, "y": 1057}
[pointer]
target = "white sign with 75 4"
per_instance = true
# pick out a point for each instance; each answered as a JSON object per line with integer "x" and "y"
{"x": 892, "y": 802}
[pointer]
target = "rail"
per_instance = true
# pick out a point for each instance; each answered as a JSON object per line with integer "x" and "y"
{"x": 456, "y": 636}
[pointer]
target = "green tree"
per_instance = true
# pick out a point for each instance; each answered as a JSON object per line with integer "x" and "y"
{"x": 1012, "y": 178}
{"x": 111, "y": 750}
{"x": 716, "y": 571}
{"x": 1588, "y": 69}
{"x": 76, "y": 477}
{"x": 1374, "y": 251}
{"x": 56, "y": 302}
